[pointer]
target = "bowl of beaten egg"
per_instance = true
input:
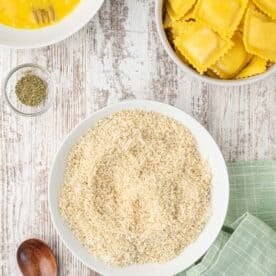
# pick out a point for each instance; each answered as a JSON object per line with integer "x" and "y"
{"x": 232, "y": 42}
{"x": 38, "y": 23}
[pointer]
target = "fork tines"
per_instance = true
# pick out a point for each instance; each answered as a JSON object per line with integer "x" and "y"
{"x": 43, "y": 16}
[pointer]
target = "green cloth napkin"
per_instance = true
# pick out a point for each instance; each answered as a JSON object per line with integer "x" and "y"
{"x": 247, "y": 242}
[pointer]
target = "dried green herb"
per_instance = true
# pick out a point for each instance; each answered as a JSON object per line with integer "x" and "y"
{"x": 31, "y": 90}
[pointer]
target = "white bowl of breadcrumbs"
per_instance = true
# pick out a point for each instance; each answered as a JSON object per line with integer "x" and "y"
{"x": 138, "y": 188}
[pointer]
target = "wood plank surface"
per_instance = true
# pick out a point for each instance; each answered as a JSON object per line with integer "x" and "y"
{"x": 117, "y": 56}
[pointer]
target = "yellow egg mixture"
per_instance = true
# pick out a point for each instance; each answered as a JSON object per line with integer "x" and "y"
{"x": 19, "y": 13}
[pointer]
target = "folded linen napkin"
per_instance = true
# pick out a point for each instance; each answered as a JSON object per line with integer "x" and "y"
{"x": 247, "y": 242}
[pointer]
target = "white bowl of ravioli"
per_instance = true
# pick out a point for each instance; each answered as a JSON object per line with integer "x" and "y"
{"x": 19, "y": 27}
{"x": 206, "y": 147}
{"x": 213, "y": 42}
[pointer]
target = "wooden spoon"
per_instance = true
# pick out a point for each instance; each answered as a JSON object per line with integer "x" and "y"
{"x": 35, "y": 258}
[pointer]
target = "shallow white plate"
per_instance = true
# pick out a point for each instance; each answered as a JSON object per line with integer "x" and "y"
{"x": 219, "y": 194}
{"x": 20, "y": 38}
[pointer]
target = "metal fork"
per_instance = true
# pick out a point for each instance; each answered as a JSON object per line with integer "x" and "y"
{"x": 44, "y": 15}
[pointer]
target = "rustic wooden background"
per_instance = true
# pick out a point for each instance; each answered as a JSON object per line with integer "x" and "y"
{"x": 117, "y": 56}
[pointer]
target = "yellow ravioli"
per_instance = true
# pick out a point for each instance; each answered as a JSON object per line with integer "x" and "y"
{"x": 178, "y": 28}
{"x": 260, "y": 35}
{"x": 189, "y": 15}
{"x": 181, "y": 56}
{"x": 267, "y": 6}
{"x": 233, "y": 61}
{"x": 167, "y": 21}
{"x": 256, "y": 66}
{"x": 201, "y": 46}
{"x": 178, "y": 8}
{"x": 222, "y": 16}
{"x": 211, "y": 74}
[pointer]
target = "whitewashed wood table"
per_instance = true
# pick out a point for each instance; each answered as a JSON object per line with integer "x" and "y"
{"x": 117, "y": 56}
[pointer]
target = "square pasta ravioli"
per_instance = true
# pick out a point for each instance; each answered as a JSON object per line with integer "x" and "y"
{"x": 233, "y": 61}
{"x": 267, "y": 6}
{"x": 169, "y": 22}
{"x": 201, "y": 46}
{"x": 260, "y": 35}
{"x": 256, "y": 66}
{"x": 178, "y": 8}
{"x": 222, "y": 16}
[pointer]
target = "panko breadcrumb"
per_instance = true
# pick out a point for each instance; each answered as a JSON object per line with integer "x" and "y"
{"x": 136, "y": 189}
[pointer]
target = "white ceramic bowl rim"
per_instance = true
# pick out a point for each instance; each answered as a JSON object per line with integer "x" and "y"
{"x": 22, "y": 38}
{"x": 219, "y": 193}
{"x": 166, "y": 44}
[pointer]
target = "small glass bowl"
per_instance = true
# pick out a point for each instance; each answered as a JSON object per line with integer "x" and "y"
{"x": 9, "y": 89}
